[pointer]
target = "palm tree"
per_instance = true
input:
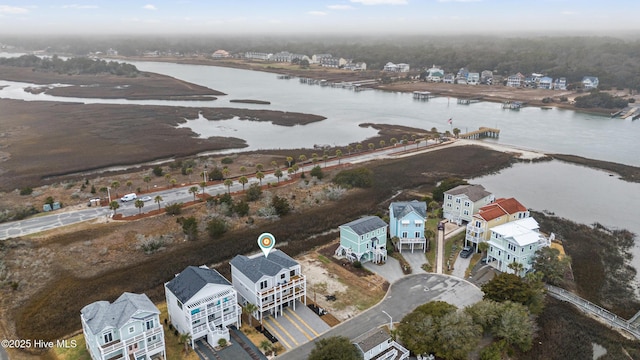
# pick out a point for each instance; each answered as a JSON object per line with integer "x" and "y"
{"x": 359, "y": 147}
{"x": 260, "y": 176}
{"x": 302, "y": 158}
{"x": 249, "y": 309}
{"x": 189, "y": 171}
{"x": 349, "y": 149}
{"x": 393, "y": 141}
{"x": 228, "y": 183}
{"x": 382, "y": 143}
{"x": 405, "y": 142}
{"x": 295, "y": 168}
{"x": 274, "y": 164}
{"x": 278, "y": 174}
{"x": 289, "y": 160}
{"x": 259, "y": 167}
{"x": 516, "y": 267}
{"x": 158, "y": 200}
{"x": 225, "y": 173}
{"x": 129, "y": 183}
{"x": 417, "y": 141}
{"x": 266, "y": 346}
{"x": 185, "y": 339}
{"x": 167, "y": 177}
{"x": 243, "y": 180}
{"x": 194, "y": 190}
{"x": 203, "y": 185}
{"x": 314, "y": 158}
{"x": 371, "y": 146}
{"x": 290, "y": 170}
{"x": 114, "y": 206}
{"x": 173, "y": 182}
{"x": 434, "y": 130}
{"x": 456, "y": 132}
{"x": 147, "y": 179}
{"x": 243, "y": 169}
{"x": 325, "y": 157}
{"x": 338, "y": 155}
{"x": 139, "y": 204}
{"x": 115, "y": 185}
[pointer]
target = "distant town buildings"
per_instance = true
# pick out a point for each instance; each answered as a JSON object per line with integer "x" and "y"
{"x": 391, "y": 67}
{"x": 590, "y": 82}
{"x": 220, "y": 54}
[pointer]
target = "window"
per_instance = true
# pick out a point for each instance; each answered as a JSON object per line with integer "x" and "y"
{"x": 466, "y": 212}
{"x": 508, "y": 257}
{"x": 404, "y": 234}
{"x": 149, "y": 324}
{"x": 478, "y": 224}
{"x": 179, "y": 304}
{"x": 467, "y": 203}
{"x": 449, "y": 197}
{"x": 282, "y": 276}
{"x": 152, "y": 339}
{"x": 131, "y": 329}
{"x": 108, "y": 337}
{"x": 449, "y": 205}
{"x": 458, "y": 201}
{"x": 292, "y": 273}
{"x": 263, "y": 284}
{"x": 418, "y": 234}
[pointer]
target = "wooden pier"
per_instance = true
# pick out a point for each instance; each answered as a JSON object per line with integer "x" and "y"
{"x": 513, "y": 105}
{"x": 468, "y": 101}
{"x": 483, "y": 132}
{"x": 422, "y": 95}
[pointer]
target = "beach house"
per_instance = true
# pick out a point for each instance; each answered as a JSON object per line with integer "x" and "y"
{"x": 128, "y": 328}
{"x": 515, "y": 242}
{"x": 497, "y": 213}
{"x": 406, "y": 223}
{"x": 364, "y": 240}
{"x": 202, "y": 303}
{"x": 461, "y": 202}
{"x": 270, "y": 283}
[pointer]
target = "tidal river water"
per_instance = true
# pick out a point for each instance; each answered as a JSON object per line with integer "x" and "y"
{"x": 580, "y": 194}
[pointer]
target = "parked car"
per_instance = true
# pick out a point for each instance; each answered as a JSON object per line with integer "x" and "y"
{"x": 146, "y": 198}
{"x": 466, "y": 252}
{"x": 129, "y": 197}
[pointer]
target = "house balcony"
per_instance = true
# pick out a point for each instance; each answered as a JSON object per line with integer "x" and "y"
{"x": 294, "y": 281}
{"x": 283, "y": 298}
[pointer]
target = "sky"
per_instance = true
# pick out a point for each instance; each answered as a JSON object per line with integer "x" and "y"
{"x": 317, "y": 16}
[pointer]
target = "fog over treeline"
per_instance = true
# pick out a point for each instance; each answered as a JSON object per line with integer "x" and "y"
{"x": 615, "y": 60}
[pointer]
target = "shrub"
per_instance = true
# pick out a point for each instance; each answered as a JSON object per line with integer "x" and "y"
{"x": 227, "y": 160}
{"x": 360, "y": 177}
{"x": 317, "y": 172}
{"x": 357, "y": 264}
{"x": 189, "y": 227}
{"x": 26, "y": 191}
{"x": 157, "y": 171}
{"x": 254, "y": 192}
{"x": 222, "y": 342}
{"x": 216, "y": 227}
{"x": 241, "y": 208}
{"x": 281, "y": 205}
{"x": 173, "y": 209}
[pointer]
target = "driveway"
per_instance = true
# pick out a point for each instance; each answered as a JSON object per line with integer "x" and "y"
{"x": 402, "y": 297}
{"x": 460, "y": 266}
{"x": 390, "y": 270}
{"x": 416, "y": 260}
{"x": 295, "y": 327}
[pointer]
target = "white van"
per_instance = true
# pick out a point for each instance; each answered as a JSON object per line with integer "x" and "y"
{"x": 129, "y": 197}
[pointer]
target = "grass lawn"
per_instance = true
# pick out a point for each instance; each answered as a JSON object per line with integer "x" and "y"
{"x": 79, "y": 352}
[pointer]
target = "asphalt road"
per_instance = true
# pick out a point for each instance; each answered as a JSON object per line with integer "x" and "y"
{"x": 181, "y": 194}
{"x": 3, "y": 354}
{"x": 402, "y": 297}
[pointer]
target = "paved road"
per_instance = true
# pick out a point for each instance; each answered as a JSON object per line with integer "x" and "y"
{"x": 402, "y": 298}
{"x": 181, "y": 194}
{"x": 3, "y": 354}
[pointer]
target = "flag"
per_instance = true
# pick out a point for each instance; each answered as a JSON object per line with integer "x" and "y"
{"x": 450, "y": 121}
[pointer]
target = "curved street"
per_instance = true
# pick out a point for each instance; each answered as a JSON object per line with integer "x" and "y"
{"x": 403, "y": 296}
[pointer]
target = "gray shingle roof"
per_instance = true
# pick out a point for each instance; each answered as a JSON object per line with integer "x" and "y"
{"x": 101, "y": 314}
{"x": 256, "y": 268}
{"x": 192, "y": 279}
{"x": 402, "y": 208}
{"x": 473, "y": 192}
{"x": 371, "y": 339}
{"x": 365, "y": 224}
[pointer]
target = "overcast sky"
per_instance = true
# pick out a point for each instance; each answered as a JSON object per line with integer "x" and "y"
{"x": 317, "y": 16}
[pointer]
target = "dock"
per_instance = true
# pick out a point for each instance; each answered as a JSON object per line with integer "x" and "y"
{"x": 422, "y": 95}
{"x": 483, "y": 132}
{"x": 468, "y": 101}
{"x": 512, "y": 105}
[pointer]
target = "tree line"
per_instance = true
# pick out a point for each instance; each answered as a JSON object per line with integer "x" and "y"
{"x": 72, "y": 66}
{"x": 616, "y": 61}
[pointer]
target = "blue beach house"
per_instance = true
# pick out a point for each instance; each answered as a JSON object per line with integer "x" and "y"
{"x": 406, "y": 222}
{"x": 364, "y": 240}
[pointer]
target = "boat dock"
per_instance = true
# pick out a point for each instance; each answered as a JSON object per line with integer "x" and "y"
{"x": 632, "y": 112}
{"x": 467, "y": 101}
{"x": 483, "y": 132}
{"x": 512, "y": 105}
{"x": 422, "y": 95}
